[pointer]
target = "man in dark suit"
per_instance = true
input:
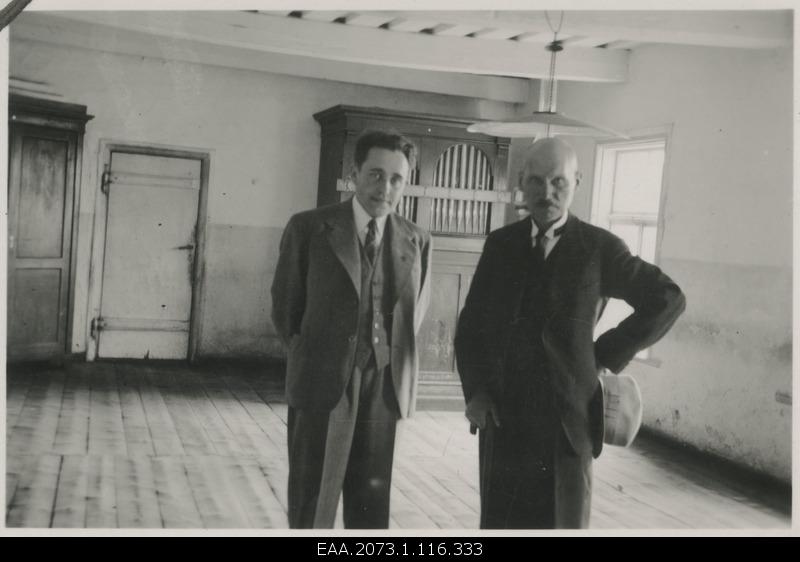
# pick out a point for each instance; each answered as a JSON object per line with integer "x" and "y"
{"x": 526, "y": 352}
{"x": 351, "y": 288}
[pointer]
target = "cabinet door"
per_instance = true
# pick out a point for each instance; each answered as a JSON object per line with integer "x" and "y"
{"x": 440, "y": 385}
{"x": 40, "y": 194}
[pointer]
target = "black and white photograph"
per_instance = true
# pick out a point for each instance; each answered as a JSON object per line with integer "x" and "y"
{"x": 393, "y": 269}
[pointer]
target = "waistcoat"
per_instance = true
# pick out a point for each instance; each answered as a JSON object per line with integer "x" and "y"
{"x": 374, "y": 309}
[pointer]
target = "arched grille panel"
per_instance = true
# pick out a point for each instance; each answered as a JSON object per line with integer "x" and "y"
{"x": 408, "y": 204}
{"x": 461, "y": 166}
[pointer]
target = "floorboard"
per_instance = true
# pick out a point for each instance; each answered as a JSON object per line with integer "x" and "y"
{"x": 163, "y": 445}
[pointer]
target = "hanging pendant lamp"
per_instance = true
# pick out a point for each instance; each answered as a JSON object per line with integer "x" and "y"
{"x": 546, "y": 123}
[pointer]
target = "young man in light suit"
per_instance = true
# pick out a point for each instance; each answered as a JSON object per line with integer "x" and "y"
{"x": 350, "y": 291}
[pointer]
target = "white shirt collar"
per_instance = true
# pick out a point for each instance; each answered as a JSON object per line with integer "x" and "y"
{"x": 362, "y": 218}
{"x": 549, "y": 234}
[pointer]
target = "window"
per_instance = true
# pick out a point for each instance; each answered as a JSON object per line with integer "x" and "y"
{"x": 627, "y": 201}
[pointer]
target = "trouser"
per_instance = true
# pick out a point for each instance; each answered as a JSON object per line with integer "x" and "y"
{"x": 347, "y": 451}
{"x": 531, "y": 477}
{"x": 549, "y": 490}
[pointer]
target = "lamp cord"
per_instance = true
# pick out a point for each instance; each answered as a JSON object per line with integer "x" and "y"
{"x": 554, "y": 48}
{"x": 551, "y": 93}
{"x": 549, "y": 23}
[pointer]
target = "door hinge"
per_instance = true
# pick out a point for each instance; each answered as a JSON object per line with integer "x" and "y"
{"x": 105, "y": 181}
{"x": 97, "y": 324}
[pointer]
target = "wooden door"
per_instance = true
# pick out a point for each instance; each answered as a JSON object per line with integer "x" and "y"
{"x": 41, "y": 191}
{"x": 149, "y": 257}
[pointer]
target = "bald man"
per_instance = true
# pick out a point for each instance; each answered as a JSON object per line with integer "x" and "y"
{"x": 526, "y": 352}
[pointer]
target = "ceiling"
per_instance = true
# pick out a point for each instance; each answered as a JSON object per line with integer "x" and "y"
{"x": 599, "y": 29}
{"x": 491, "y": 55}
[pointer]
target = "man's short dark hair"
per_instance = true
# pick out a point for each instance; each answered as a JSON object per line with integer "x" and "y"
{"x": 390, "y": 140}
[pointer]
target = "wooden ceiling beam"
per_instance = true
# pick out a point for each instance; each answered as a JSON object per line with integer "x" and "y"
{"x": 499, "y": 34}
{"x": 411, "y": 25}
{"x": 320, "y": 15}
{"x": 455, "y": 30}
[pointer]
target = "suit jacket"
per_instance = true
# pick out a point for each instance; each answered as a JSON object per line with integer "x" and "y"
{"x": 592, "y": 265}
{"x": 315, "y": 297}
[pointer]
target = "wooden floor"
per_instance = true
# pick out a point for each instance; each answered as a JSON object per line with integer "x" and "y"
{"x": 126, "y": 445}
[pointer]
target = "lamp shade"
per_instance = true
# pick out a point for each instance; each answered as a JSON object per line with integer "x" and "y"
{"x": 542, "y": 123}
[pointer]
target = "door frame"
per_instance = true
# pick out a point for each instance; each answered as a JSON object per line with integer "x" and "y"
{"x": 97, "y": 260}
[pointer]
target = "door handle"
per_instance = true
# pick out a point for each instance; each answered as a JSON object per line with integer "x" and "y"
{"x": 96, "y": 325}
{"x": 185, "y": 247}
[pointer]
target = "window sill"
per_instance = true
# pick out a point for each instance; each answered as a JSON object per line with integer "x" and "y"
{"x": 650, "y": 362}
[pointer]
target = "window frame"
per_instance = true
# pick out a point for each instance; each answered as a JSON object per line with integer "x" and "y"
{"x": 654, "y": 136}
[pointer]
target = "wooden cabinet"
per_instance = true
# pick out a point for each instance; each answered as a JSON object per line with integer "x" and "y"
{"x": 45, "y": 140}
{"x": 458, "y": 191}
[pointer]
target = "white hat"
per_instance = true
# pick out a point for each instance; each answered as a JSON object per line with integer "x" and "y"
{"x": 622, "y": 408}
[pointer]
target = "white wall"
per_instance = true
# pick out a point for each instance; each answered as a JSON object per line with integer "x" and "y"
{"x": 264, "y": 146}
{"x": 727, "y": 240}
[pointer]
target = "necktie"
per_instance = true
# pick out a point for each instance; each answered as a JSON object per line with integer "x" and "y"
{"x": 538, "y": 249}
{"x": 539, "y": 239}
{"x": 371, "y": 241}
